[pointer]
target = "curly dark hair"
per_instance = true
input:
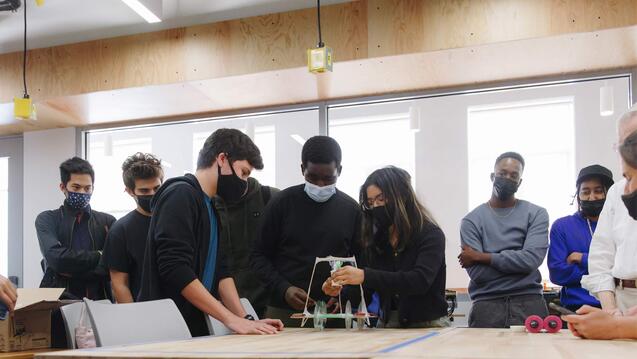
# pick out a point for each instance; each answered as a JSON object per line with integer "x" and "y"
{"x": 141, "y": 166}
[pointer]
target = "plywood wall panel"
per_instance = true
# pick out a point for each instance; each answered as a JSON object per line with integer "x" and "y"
{"x": 407, "y": 26}
{"x": 356, "y": 30}
{"x": 267, "y": 46}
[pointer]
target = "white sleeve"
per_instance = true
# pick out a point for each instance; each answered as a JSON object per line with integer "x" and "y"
{"x": 601, "y": 257}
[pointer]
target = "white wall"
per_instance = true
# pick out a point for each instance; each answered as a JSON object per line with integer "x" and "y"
{"x": 442, "y": 172}
{"x": 43, "y": 153}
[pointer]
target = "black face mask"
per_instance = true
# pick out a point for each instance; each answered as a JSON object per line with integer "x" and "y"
{"x": 382, "y": 218}
{"x": 630, "y": 201}
{"x": 144, "y": 202}
{"x": 591, "y": 208}
{"x": 504, "y": 188}
{"x": 230, "y": 187}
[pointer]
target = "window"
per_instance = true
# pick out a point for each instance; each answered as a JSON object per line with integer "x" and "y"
{"x": 279, "y": 137}
{"x": 558, "y": 129}
{"x": 558, "y": 126}
{"x": 543, "y": 132}
{"x": 372, "y": 137}
{"x": 107, "y": 155}
{"x": 4, "y": 216}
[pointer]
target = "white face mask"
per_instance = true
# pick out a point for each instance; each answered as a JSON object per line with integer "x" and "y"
{"x": 320, "y": 194}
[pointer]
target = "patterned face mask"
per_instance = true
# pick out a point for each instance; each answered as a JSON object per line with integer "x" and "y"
{"x": 78, "y": 200}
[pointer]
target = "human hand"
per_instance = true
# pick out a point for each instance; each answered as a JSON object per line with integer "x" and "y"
{"x": 592, "y": 323}
{"x": 296, "y": 297}
{"x": 330, "y": 288}
{"x": 469, "y": 257}
{"x": 8, "y": 293}
{"x": 615, "y": 311}
{"x": 575, "y": 257}
{"x": 348, "y": 275}
{"x": 244, "y": 326}
{"x": 278, "y": 324}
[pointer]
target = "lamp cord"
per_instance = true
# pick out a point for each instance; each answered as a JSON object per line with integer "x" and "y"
{"x": 24, "y": 54}
{"x": 318, "y": 15}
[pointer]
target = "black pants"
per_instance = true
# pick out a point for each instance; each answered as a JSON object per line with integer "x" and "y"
{"x": 506, "y": 311}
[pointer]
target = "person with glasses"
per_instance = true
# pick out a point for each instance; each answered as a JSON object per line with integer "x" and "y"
{"x": 571, "y": 237}
{"x": 504, "y": 242}
{"x": 402, "y": 254}
{"x": 612, "y": 266}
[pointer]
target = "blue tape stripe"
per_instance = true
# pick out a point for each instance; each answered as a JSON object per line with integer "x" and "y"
{"x": 408, "y": 342}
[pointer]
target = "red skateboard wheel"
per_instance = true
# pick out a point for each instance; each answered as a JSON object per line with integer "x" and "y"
{"x": 534, "y": 324}
{"x": 552, "y": 324}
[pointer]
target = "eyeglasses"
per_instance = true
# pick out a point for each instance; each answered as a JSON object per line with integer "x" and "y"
{"x": 380, "y": 199}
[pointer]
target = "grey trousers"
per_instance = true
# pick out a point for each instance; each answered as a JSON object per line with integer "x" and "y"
{"x": 393, "y": 321}
{"x": 506, "y": 311}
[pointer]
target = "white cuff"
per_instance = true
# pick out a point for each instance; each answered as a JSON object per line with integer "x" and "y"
{"x": 596, "y": 283}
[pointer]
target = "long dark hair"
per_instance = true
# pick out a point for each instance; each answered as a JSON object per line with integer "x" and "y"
{"x": 409, "y": 215}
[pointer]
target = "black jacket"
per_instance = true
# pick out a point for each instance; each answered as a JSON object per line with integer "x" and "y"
{"x": 177, "y": 248}
{"x": 54, "y": 230}
{"x": 240, "y": 223}
{"x": 414, "y": 277}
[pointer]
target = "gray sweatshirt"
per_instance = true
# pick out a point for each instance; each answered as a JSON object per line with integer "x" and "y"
{"x": 517, "y": 240}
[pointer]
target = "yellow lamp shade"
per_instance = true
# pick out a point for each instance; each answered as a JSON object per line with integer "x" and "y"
{"x": 23, "y": 108}
{"x": 319, "y": 59}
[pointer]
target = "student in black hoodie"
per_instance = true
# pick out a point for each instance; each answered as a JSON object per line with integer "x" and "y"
{"x": 182, "y": 260}
{"x": 403, "y": 257}
{"x": 301, "y": 223}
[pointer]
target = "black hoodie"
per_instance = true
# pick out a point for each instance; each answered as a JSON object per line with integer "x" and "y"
{"x": 178, "y": 239}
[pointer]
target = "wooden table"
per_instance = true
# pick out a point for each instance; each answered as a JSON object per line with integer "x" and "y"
{"x": 25, "y": 354}
{"x": 371, "y": 344}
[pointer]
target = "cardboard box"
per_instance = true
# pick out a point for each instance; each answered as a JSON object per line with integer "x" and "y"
{"x": 29, "y": 326}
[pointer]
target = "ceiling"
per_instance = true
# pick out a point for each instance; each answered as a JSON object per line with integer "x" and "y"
{"x": 68, "y": 21}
